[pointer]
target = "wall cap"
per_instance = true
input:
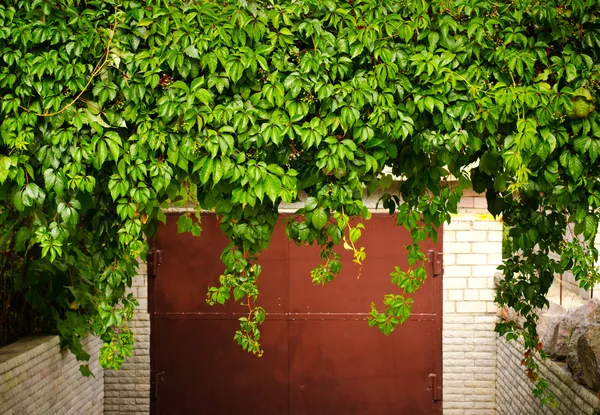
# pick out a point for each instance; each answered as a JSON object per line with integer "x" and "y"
{"x": 19, "y": 352}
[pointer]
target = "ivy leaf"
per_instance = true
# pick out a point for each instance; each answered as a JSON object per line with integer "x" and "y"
{"x": 101, "y": 153}
{"x": 5, "y": 164}
{"x": 184, "y": 223}
{"x": 433, "y": 38}
{"x": 18, "y": 201}
{"x": 582, "y": 144}
{"x": 594, "y": 150}
{"x": 180, "y": 85}
{"x": 429, "y": 104}
{"x": 386, "y": 181}
{"x": 218, "y": 171}
{"x": 575, "y": 166}
{"x": 571, "y": 72}
{"x": 204, "y": 96}
{"x": 85, "y": 371}
{"x": 319, "y": 218}
{"x": 310, "y": 204}
{"x": 272, "y": 187}
{"x": 192, "y": 52}
{"x": 590, "y": 226}
{"x": 275, "y": 169}
{"x": 210, "y": 60}
{"x": 160, "y": 216}
{"x": 207, "y": 169}
{"x": 33, "y": 194}
{"x": 115, "y": 150}
{"x": 49, "y": 178}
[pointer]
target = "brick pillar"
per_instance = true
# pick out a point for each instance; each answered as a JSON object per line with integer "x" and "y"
{"x": 127, "y": 391}
{"x": 472, "y": 251}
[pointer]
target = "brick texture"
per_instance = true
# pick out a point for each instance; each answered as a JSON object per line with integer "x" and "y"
{"x": 37, "y": 378}
{"x": 472, "y": 251}
{"x": 127, "y": 391}
{"x": 513, "y": 392}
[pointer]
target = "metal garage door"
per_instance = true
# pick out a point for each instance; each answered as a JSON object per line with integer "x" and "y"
{"x": 320, "y": 355}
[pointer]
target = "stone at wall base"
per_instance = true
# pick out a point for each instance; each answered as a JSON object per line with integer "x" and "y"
{"x": 588, "y": 353}
{"x": 548, "y": 327}
{"x": 577, "y": 323}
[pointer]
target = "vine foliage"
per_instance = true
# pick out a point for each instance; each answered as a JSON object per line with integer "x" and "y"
{"x": 112, "y": 110}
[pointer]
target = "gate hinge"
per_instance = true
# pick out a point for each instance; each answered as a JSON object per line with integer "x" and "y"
{"x": 437, "y": 265}
{"x": 154, "y": 261}
{"x": 156, "y": 379}
{"x": 436, "y": 389}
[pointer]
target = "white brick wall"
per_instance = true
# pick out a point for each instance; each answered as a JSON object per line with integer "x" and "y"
{"x": 127, "y": 391}
{"x": 36, "y": 378}
{"x": 472, "y": 251}
{"x": 513, "y": 393}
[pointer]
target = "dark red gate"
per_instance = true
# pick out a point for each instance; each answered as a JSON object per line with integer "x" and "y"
{"x": 320, "y": 355}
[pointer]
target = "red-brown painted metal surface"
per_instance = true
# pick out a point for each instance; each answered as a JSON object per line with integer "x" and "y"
{"x": 320, "y": 355}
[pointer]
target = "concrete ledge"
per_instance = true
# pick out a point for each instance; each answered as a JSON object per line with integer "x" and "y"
{"x": 18, "y": 353}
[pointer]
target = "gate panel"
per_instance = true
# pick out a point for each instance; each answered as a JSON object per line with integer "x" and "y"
{"x": 345, "y": 367}
{"x": 202, "y": 371}
{"x": 200, "y": 368}
{"x": 338, "y": 365}
{"x": 320, "y": 355}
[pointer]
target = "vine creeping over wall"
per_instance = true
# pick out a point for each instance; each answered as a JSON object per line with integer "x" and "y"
{"x": 113, "y": 109}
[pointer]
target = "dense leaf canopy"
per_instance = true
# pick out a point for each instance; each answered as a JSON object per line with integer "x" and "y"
{"x": 112, "y": 110}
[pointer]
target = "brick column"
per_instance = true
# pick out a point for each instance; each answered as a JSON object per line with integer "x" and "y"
{"x": 472, "y": 251}
{"x": 127, "y": 391}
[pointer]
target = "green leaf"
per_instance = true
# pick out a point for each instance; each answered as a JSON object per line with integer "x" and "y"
{"x": 102, "y": 153}
{"x": 18, "y": 201}
{"x": 355, "y": 234}
{"x": 33, "y": 194}
{"x": 433, "y": 38}
{"x": 184, "y": 223}
{"x": 204, "y": 96}
{"x": 192, "y": 52}
{"x": 85, "y": 371}
{"x": 575, "y": 166}
{"x": 207, "y": 169}
{"x": 310, "y": 204}
{"x": 218, "y": 171}
{"x": 272, "y": 187}
{"x": 275, "y": 169}
{"x": 582, "y": 144}
{"x": 114, "y": 143}
{"x": 386, "y": 181}
{"x": 590, "y": 226}
{"x": 145, "y": 22}
{"x": 319, "y": 218}
{"x": 5, "y": 164}
{"x": 180, "y": 85}
{"x": 571, "y": 72}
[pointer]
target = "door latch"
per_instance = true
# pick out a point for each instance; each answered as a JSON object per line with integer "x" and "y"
{"x": 436, "y": 390}
{"x": 437, "y": 264}
{"x": 154, "y": 261}
{"x": 156, "y": 379}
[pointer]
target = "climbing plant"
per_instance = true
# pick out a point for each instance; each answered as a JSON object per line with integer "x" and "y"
{"x": 112, "y": 110}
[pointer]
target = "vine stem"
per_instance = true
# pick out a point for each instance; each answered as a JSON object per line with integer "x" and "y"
{"x": 250, "y": 309}
{"x": 99, "y": 67}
